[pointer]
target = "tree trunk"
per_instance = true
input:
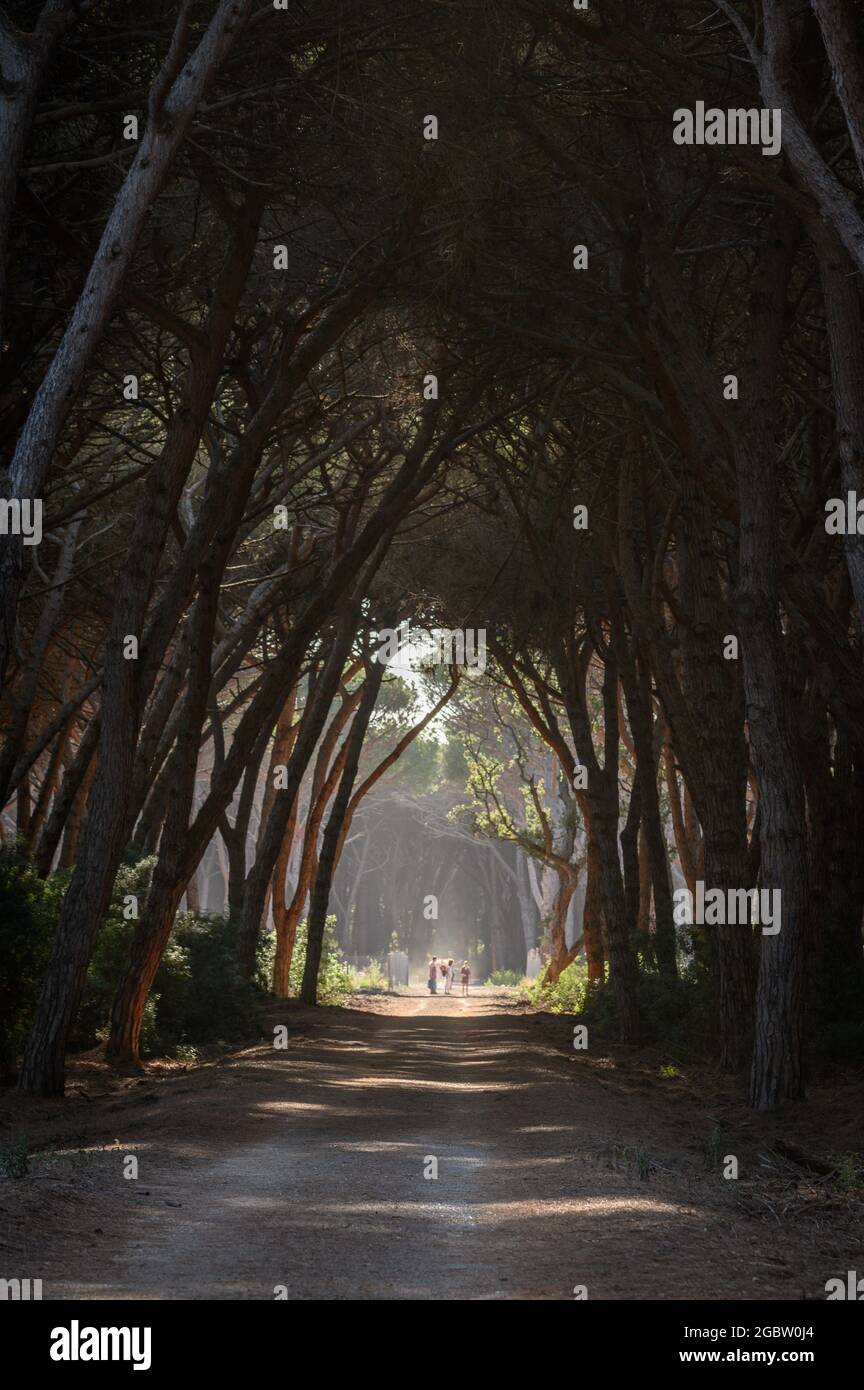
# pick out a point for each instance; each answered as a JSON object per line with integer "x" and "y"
{"x": 560, "y": 955}
{"x": 592, "y": 917}
{"x": 682, "y": 840}
{"x": 644, "y": 921}
{"x": 173, "y": 104}
{"x": 81, "y": 788}
{"x": 193, "y": 899}
{"x": 25, "y": 60}
{"x": 841, "y": 33}
{"x": 776, "y": 1074}
{"x": 124, "y": 693}
{"x": 168, "y": 882}
{"x": 314, "y": 716}
{"x": 330, "y": 842}
{"x": 289, "y": 919}
{"x": 846, "y": 345}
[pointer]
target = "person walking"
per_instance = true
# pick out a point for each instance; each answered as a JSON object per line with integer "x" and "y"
{"x": 466, "y": 976}
{"x": 433, "y": 975}
{"x": 448, "y": 980}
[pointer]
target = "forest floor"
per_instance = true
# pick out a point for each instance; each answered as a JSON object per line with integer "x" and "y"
{"x": 302, "y": 1171}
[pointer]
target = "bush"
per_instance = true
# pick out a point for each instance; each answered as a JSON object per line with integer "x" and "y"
{"x": 29, "y": 908}
{"x": 510, "y": 978}
{"x": 335, "y": 979}
{"x": 679, "y": 1013}
{"x": 199, "y": 995}
{"x": 566, "y": 996}
{"x": 373, "y": 977}
{"x": 109, "y": 959}
{"x": 675, "y": 1012}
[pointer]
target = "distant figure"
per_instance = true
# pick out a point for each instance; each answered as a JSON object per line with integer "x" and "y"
{"x": 433, "y": 975}
{"x": 448, "y": 979}
{"x": 466, "y": 976}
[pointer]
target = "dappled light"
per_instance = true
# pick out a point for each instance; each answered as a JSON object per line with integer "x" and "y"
{"x": 431, "y": 702}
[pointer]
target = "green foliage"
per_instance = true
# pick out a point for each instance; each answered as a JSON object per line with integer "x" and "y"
{"x": 29, "y": 907}
{"x": 675, "y": 1012}
{"x": 397, "y": 708}
{"x": 419, "y": 767}
{"x": 454, "y": 765}
{"x": 199, "y": 995}
{"x": 373, "y": 977}
{"x": 509, "y": 978}
{"x": 109, "y": 959}
{"x": 678, "y": 1013}
{"x": 335, "y": 979}
{"x": 566, "y": 996}
{"x": 396, "y": 704}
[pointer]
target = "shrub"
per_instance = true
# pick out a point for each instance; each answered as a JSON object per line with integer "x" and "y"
{"x": 373, "y": 977}
{"x": 199, "y": 994}
{"x": 29, "y": 908}
{"x": 676, "y": 1012}
{"x": 335, "y": 979}
{"x": 511, "y": 978}
{"x": 566, "y": 996}
{"x": 110, "y": 955}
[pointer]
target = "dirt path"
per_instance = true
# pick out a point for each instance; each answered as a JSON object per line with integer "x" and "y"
{"x": 304, "y": 1168}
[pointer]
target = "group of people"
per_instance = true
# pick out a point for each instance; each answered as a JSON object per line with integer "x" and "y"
{"x": 446, "y": 970}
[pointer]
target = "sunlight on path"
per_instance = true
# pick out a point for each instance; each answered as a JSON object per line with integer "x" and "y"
{"x": 441, "y": 1149}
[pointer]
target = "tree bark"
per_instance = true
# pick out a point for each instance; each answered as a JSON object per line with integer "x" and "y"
{"x": 123, "y": 696}
{"x": 843, "y": 44}
{"x": 171, "y": 114}
{"x": 311, "y": 724}
{"x": 167, "y": 885}
{"x": 776, "y": 1074}
{"x": 25, "y": 60}
{"x": 330, "y": 842}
